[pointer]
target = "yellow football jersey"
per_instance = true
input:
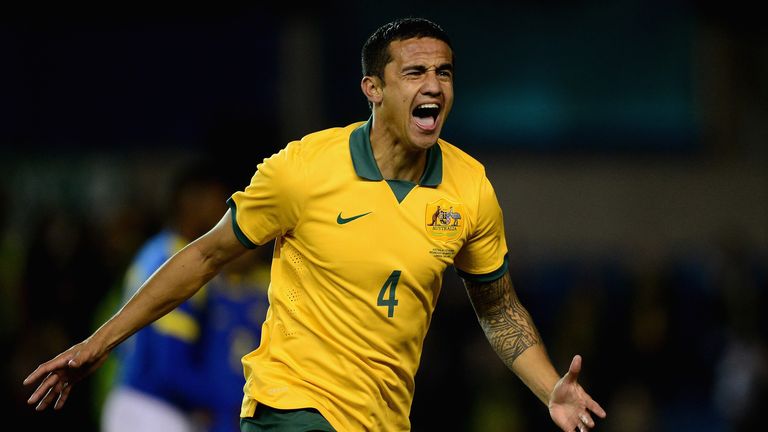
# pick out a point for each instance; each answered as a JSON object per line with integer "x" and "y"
{"x": 357, "y": 270}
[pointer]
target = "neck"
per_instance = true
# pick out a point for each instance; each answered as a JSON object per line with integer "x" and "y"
{"x": 395, "y": 160}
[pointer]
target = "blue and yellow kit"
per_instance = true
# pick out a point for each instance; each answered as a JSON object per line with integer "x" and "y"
{"x": 158, "y": 360}
{"x": 190, "y": 357}
{"x": 357, "y": 270}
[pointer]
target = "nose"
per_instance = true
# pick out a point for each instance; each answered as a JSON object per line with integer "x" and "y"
{"x": 431, "y": 85}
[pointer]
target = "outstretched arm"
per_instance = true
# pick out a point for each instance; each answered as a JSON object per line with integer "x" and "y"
{"x": 512, "y": 334}
{"x": 177, "y": 280}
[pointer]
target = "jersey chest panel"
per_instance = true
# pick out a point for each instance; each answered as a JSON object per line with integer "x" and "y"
{"x": 378, "y": 256}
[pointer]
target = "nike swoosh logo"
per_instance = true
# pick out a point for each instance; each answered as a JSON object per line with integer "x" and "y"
{"x": 342, "y": 220}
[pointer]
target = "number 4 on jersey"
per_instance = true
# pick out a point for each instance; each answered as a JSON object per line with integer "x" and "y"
{"x": 391, "y": 286}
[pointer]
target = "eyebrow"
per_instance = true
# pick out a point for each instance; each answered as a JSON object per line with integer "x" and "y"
{"x": 421, "y": 68}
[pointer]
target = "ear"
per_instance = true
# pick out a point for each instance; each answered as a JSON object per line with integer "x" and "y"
{"x": 371, "y": 87}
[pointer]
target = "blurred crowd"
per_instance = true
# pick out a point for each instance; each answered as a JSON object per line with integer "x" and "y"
{"x": 674, "y": 342}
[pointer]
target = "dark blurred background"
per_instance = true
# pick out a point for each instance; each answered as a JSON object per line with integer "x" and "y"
{"x": 627, "y": 142}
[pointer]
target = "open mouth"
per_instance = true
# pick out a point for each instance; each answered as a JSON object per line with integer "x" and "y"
{"x": 426, "y": 115}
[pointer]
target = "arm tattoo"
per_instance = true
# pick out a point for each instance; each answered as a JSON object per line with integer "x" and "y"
{"x": 506, "y": 323}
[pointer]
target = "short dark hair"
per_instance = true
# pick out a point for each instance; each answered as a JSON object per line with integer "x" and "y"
{"x": 376, "y": 55}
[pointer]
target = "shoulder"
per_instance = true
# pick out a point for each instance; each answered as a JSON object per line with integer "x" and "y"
{"x": 302, "y": 159}
{"x": 466, "y": 176}
{"x": 456, "y": 158}
{"x": 318, "y": 144}
{"x": 459, "y": 165}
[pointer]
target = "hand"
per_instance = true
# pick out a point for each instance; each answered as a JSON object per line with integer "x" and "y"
{"x": 570, "y": 405}
{"x": 57, "y": 376}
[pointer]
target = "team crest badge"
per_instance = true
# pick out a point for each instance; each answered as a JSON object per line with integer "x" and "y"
{"x": 444, "y": 220}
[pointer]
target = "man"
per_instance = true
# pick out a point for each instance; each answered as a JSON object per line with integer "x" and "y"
{"x": 344, "y": 332}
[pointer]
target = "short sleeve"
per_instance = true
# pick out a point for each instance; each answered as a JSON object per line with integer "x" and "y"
{"x": 484, "y": 257}
{"x": 271, "y": 204}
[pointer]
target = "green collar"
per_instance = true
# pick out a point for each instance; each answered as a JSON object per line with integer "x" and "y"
{"x": 365, "y": 164}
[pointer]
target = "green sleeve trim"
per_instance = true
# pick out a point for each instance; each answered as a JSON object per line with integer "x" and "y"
{"x": 487, "y": 277}
{"x": 236, "y": 228}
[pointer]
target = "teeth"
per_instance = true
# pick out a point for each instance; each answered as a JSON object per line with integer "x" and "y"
{"x": 428, "y": 105}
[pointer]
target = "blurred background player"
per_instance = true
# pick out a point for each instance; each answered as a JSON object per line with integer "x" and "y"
{"x": 235, "y": 307}
{"x": 183, "y": 372}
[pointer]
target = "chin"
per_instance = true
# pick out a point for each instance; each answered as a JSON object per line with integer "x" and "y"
{"x": 424, "y": 144}
{"x": 425, "y": 140}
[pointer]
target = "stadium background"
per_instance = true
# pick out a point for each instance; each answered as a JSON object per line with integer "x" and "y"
{"x": 628, "y": 144}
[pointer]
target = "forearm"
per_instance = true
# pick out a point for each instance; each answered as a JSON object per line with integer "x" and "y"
{"x": 512, "y": 334}
{"x": 174, "y": 282}
{"x": 535, "y": 369}
{"x": 177, "y": 280}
